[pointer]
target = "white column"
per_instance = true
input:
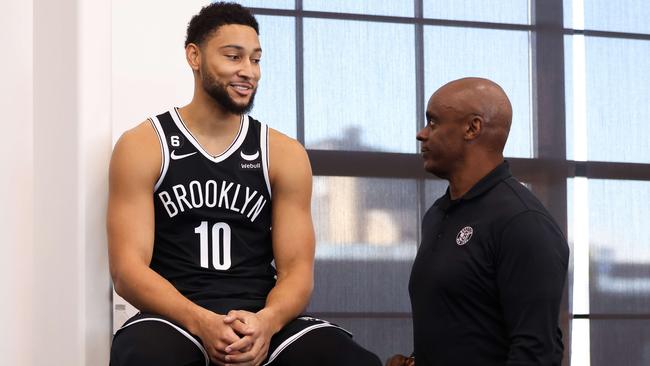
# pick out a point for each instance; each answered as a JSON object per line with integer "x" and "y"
{"x": 16, "y": 185}
{"x": 72, "y": 140}
{"x": 57, "y": 253}
{"x": 94, "y": 149}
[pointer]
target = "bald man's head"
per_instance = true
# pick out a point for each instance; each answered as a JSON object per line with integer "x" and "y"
{"x": 483, "y": 98}
{"x": 465, "y": 117}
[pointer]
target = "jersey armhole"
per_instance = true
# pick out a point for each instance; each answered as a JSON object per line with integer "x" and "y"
{"x": 264, "y": 146}
{"x": 164, "y": 151}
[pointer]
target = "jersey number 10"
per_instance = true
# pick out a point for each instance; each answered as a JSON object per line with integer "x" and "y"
{"x": 220, "y": 245}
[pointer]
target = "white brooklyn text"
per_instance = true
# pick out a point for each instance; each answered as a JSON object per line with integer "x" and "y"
{"x": 226, "y": 195}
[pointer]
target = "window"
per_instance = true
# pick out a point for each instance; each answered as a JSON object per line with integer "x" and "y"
{"x": 350, "y": 80}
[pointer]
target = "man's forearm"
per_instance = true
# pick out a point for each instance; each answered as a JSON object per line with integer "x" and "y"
{"x": 148, "y": 291}
{"x": 287, "y": 299}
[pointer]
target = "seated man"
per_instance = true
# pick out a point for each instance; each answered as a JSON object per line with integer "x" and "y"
{"x": 209, "y": 223}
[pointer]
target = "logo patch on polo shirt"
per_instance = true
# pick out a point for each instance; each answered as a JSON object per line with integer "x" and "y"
{"x": 464, "y": 235}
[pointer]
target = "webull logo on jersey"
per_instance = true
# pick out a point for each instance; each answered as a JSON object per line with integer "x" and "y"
{"x": 248, "y": 161}
{"x": 226, "y": 195}
{"x": 250, "y": 166}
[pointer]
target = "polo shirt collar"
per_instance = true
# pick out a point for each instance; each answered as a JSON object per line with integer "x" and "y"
{"x": 498, "y": 174}
{"x": 501, "y": 172}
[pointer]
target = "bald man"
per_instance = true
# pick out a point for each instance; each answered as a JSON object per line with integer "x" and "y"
{"x": 488, "y": 277}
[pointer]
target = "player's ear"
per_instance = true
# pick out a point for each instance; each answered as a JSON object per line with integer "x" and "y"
{"x": 474, "y": 127}
{"x": 193, "y": 56}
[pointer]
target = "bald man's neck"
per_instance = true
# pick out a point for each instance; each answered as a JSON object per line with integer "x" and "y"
{"x": 462, "y": 181}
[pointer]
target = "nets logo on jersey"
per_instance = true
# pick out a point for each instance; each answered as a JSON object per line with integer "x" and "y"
{"x": 250, "y": 161}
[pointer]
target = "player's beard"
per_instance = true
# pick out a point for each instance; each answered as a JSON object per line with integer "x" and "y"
{"x": 219, "y": 94}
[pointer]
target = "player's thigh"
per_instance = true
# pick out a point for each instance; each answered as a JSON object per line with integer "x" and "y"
{"x": 154, "y": 343}
{"x": 326, "y": 346}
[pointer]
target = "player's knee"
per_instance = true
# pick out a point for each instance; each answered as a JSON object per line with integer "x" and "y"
{"x": 355, "y": 355}
{"x": 126, "y": 353}
{"x": 133, "y": 355}
{"x": 154, "y": 343}
{"x": 366, "y": 358}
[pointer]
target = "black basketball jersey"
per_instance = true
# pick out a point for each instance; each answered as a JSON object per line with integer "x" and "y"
{"x": 213, "y": 216}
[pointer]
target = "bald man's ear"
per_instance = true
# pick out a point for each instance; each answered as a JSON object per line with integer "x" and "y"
{"x": 474, "y": 127}
{"x": 193, "y": 56}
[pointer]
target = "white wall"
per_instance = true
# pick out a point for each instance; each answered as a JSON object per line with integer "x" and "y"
{"x": 94, "y": 148}
{"x": 16, "y": 183}
{"x": 150, "y": 74}
{"x": 55, "y": 96}
{"x": 57, "y": 267}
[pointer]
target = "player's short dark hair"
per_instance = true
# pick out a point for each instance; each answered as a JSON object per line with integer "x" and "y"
{"x": 213, "y": 16}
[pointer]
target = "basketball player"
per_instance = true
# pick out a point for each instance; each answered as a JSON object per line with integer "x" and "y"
{"x": 194, "y": 193}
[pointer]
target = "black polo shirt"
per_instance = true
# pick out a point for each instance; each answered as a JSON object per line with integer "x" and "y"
{"x": 488, "y": 277}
